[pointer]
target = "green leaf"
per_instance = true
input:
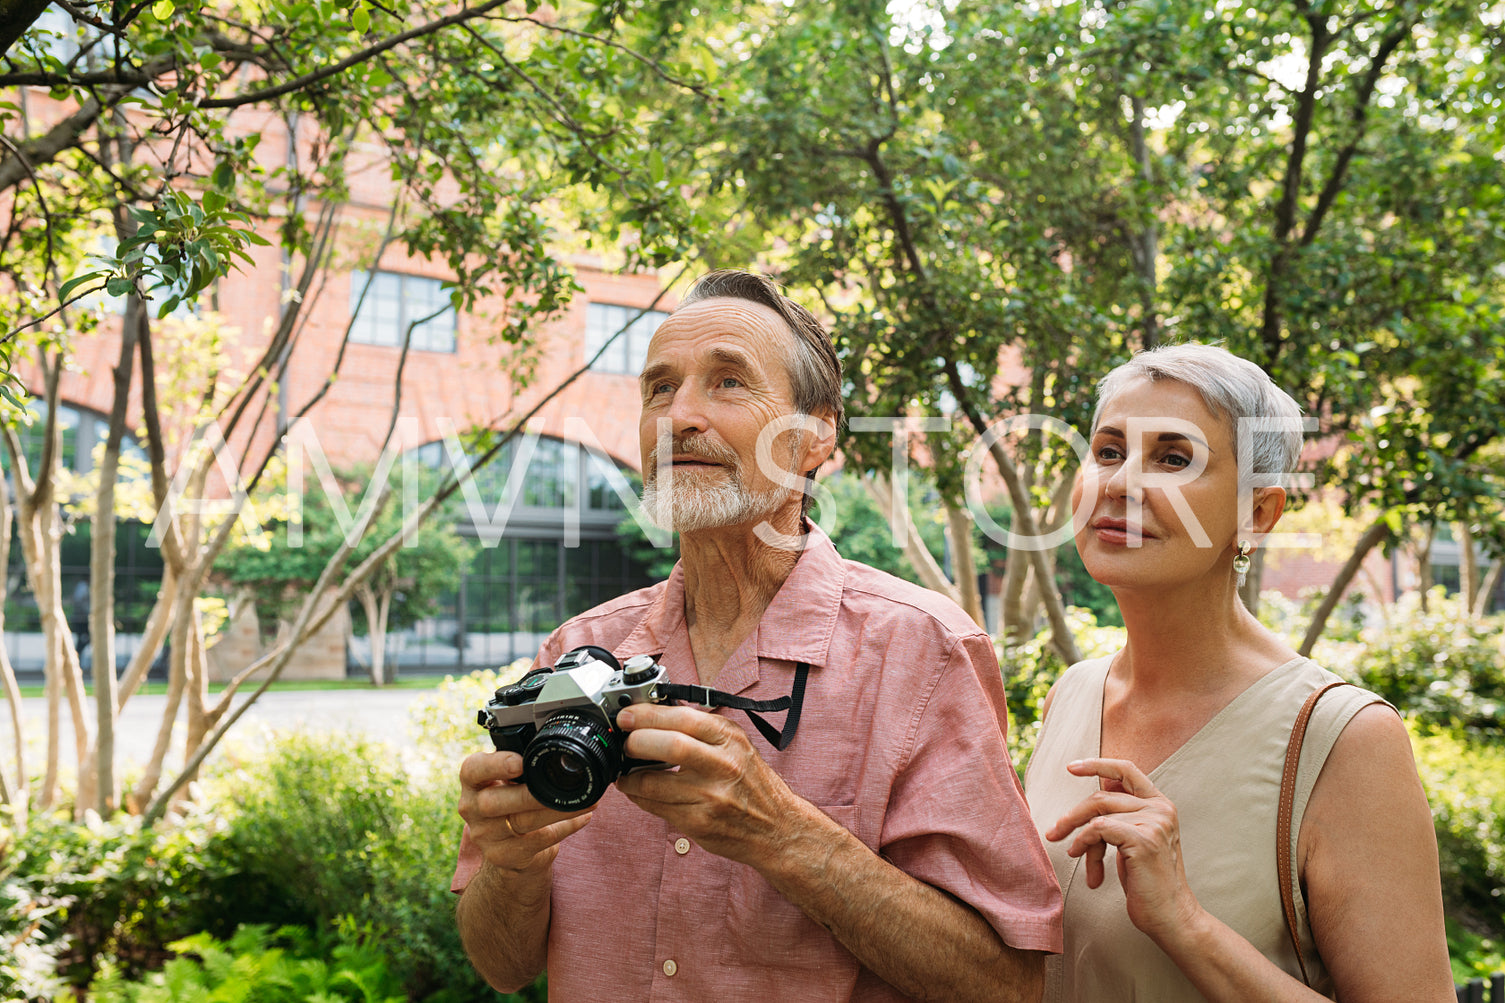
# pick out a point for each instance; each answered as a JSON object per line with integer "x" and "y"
{"x": 118, "y": 286}
{"x": 10, "y": 395}
{"x": 360, "y": 18}
{"x": 162, "y": 10}
{"x": 75, "y": 282}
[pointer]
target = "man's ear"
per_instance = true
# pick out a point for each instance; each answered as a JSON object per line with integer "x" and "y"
{"x": 820, "y": 440}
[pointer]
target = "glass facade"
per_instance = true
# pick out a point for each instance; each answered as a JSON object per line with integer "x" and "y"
{"x": 138, "y": 568}
{"x": 528, "y": 574}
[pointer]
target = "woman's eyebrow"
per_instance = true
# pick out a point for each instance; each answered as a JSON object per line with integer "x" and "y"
{"x": 1162, "y": 437}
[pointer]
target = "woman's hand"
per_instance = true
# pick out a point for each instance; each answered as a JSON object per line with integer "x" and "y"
{"x": 1133, "y": 816}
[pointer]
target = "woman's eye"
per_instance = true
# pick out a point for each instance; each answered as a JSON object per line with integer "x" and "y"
{"x": 1176, "y": 460}
{"x": 1109, "y": 453}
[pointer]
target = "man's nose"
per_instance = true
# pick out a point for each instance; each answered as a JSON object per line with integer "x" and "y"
{"x": 687, "y": 410}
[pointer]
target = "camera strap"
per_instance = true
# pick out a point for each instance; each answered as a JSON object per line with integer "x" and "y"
{"x": 707, "y": 697}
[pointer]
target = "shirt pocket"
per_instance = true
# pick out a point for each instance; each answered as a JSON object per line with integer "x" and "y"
{"x": 764, "y": 928}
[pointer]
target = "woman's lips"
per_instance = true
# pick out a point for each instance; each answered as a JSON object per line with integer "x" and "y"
{"x": 1119, "y": 532}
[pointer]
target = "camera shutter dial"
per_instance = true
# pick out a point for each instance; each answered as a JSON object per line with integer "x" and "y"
{"x": 639, "y": 669}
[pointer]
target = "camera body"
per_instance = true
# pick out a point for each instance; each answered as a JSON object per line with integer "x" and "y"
{"x": 562, "y": 719}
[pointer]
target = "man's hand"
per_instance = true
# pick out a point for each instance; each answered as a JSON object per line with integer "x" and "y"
{"x": 724, "y": 796}
{"x": 514, "y": 832}
{"x": 504, "y": 912}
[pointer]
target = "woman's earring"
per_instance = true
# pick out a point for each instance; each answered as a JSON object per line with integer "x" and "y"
{"x": 1241, "y": 561}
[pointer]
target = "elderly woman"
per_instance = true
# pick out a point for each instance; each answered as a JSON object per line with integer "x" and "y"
{"x": 1156, "y": 777}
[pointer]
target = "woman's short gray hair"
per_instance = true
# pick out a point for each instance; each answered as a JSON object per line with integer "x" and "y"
{"x": 1231, "y": 387}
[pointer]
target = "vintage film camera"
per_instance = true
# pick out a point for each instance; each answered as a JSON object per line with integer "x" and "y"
{"x": 563, "y": 720}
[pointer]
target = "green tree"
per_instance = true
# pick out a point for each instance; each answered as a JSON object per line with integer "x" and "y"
{"x": 277, "y": 569}
{"x": 141, "y": 172}
{"x": 998, "y": 202}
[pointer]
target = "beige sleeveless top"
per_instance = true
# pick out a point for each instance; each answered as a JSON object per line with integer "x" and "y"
{"x": 1225, "y": 783}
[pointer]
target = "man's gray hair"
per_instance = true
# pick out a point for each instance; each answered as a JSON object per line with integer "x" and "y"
{"x": 814, "y": 369}
{"x": 1231, "y": 387}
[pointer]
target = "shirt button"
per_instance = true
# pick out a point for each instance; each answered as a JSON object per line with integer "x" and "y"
{"x": 670, "y": 967}
{"x": 681, "y": 847}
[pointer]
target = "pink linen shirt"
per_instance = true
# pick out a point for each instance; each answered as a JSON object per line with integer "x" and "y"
{"x": 902, "y": 742}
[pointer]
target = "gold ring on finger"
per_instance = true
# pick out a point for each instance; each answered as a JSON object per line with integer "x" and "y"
{"x": 515, "y": 833}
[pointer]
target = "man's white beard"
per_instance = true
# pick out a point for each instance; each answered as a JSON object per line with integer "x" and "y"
{"x": 693, "y": 505}
{"x": 696, "y": 503}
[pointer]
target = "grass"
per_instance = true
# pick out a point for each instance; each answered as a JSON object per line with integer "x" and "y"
{"x": 423, "y": 681}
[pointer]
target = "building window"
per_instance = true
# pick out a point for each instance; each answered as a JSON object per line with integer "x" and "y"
{"x": 395, "y": 301}
{"x": 529, "y": 575}
{"x": 81, "y": 430}
{"x": 627, "y": 353}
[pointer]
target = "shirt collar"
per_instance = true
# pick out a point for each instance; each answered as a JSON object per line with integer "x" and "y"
{"x": 797, "y": 626}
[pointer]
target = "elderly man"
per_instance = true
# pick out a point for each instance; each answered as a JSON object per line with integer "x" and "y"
{"x": 886, "y": 852}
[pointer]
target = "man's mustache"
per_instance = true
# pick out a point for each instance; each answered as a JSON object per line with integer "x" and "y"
{"x": 701, "y": 447}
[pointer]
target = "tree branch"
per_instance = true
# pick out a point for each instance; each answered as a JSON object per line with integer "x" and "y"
{"x": 1339, "y": 175}
{"x": 354, "y": 59}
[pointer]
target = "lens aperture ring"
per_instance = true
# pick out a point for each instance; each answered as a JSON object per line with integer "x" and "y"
{"x": 571, "y": 761}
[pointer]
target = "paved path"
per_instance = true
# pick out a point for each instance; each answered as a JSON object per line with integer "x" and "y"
{"x": 377, "y": 713}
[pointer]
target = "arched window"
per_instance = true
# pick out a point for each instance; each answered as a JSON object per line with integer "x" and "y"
{"x": 544, "y": 513}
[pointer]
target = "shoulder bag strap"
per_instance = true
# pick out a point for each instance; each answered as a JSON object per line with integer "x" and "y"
{"x": 1283, "y": 821}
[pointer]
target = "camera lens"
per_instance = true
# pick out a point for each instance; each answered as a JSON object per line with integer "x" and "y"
{"x": 571, "y": 760}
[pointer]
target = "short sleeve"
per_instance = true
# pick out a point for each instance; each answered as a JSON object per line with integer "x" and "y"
{"x": 957, "y": 818}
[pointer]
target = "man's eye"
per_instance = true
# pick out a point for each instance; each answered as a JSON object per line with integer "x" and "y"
{"x": 659, "y": 388}
{"x": 729, "y": 382}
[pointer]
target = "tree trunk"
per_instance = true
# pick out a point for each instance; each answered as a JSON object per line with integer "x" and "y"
{"x": 102, "y": 570}
{"x": 1015, "y": 627}
{"x": 201, "y": 717}
{"x": 388, "y": 673}
{"x": 1144, "y": 243}
{"x": 375, "y": 615}
{"x": 1468, "y": 569}
{"x": 929, "y": 571}
{"x": 959, "y": 531}
{"x": 41, "y": 536}
{"x": 18, "y": 796}
{"x": 1424, "y": 564}
{"x": 177, "y": 679}
{"x": 1372, "y": 537}
{"x": 1487, "y": 586}
{"x": 1045, "y": 578}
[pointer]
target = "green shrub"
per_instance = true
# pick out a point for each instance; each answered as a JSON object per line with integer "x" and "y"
{"x": 1031, "y": 668}
{"x": 257, "y": 966}
{"x": 1466, "y": 787}
{"x": 1444, "y": 671}
{"x": 444, "y": 722}
{"x": 324, "y": 831}
{"x": 75, "y": 896}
